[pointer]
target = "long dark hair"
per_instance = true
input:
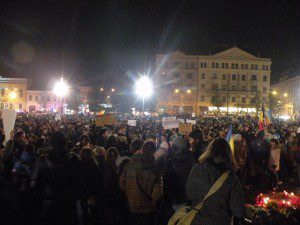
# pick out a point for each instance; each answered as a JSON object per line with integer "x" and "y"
{"x": 220, "y": 152}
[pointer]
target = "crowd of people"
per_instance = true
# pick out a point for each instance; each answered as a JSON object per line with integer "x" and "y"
{"x": 69, "y": 171}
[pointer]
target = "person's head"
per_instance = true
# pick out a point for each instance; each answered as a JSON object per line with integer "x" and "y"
{"x": 20, "y": 137}
{"x": 237, "y": 137}
{"x": 174, "y": 131}
{"x": 178, "y": 145}
{"x": 32, "y": 139}
{"x": 220, "y": 152}
{"x": 274, "y": 142}
{"x": 40, "y": 143}
{"x": 136, "y": 145}
{"x": 69, "y": 145}
{"x": 122, "y": 139}
{"x": 112, "y": 154}
{"x": 99, "y": 151}
{"x": 149, "y": 148}
{"x": 107, "y": 133}
{"x": 151, "y": 137}
{"x": 122, "y": 130}
{"x": 210, "y": 136}
{"x": 84, "y": 140}
{"x": 195, "y": 137}
{"x": 58, "y": 140}
{"x": 163, "y": 138}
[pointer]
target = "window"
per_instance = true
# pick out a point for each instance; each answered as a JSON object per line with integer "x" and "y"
{"x": 243, "y": 77}
{"x": 223, "y": 65}
{"x": 214, "y": 76}
{"x": 189, "y": 76}
{"x": 264, "y": 89}
{"x": 186, "y": 65}
{"x": 217, "y": 65}
{"x": 253, "y": 77}
{"x": 232, "y": 65}
{"x": 243, "y": 88}
{"x": 223, "y": 99}
{"x": 254, "y": 88}
{"x": 202, "y": 98}
{"x": 21, "y": 93}
{"x": 233, "y": 99}
{"x": 30, "y": 97}
{"x": 48, "y": 98}
{"x": 233, "y": 88}
{"x": 224, "y": 77}
{"x": 223, "y": 87}
{"x": 215, "y": 87}
{"x": 246, "y": 66}
{"x": 176, "y": 75}
{"x": 202, "y": 75}
{"x": 256, "y": 66}
{"x": 2, "y": 92}
{"x": 265, "y": 78}
{"x": 263, "y": 67}
{"x": 243, "y": 100}
{"x": 203, "y": 87}
{"x": 252, "y": 100}
{"x": 20, "y": 105}
{"x": 36, "y": 98}
{"x": 233, "y": 76}
{"x": 213, "y": 65}
{"x": 267, "y": 67}
{"x": 236, "y": 66}
{"x": 192, "y": 65}
{"x": 252, "y": 66}
{"x": 242, "y": 66}
{"x": 226, "y": 65}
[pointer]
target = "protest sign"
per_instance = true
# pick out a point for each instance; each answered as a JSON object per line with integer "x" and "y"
{"x": 103, "y": 120}
{"x": 182, "y": 120}
{"x": 131, "y": 123}
{"x": 185, "y": 129}
{"x": 170, "y": 122}
{"x": 191, "y": 121}
{"x": 9, "y": 119}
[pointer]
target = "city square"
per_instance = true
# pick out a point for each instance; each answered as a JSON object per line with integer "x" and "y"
{"x": 149, "y": 113}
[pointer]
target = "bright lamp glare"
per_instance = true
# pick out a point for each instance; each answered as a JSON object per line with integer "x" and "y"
{"x": 61, "y": 88}
{"x": 144, "y": 87}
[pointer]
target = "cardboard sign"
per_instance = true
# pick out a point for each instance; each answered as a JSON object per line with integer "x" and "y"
{"x": 9, "y": 119}
{"x": 185, "y": 129}
{"x": 103, "y": 120}
{"x": 131, "y": 123}
{"x": 191, "y": 121}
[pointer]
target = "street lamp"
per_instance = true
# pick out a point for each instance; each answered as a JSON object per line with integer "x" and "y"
{"x": 285, "y": 95}
{"x": 61, "y": 89}
{"x": 274, "y": 92}
{"x": 176, "y": 91}
{"x": 112, "y": 90}
{"x": 144, "y": 88}
{"x": 101, "y": 89}
{"x": 188, "y": 91}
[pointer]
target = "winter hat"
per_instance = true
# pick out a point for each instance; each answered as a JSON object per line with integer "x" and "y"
{"x": 196, "y": 134}
{"x": 237, "y": 137}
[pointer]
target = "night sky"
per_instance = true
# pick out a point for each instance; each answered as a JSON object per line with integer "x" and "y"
{"x": 111, "y": 41}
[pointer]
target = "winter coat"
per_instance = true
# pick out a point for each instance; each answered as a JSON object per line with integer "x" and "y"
{"x": 179, "y": 163}
{"x": 141, "y": 184}
{"x": 218, "y": 208}
{"x": 57, "y": 181}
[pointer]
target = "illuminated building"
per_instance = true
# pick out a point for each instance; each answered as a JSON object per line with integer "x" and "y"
{"x": 191, "y": 83}
{"x": 288, "y": 93}
{"x": 13, "y": 93}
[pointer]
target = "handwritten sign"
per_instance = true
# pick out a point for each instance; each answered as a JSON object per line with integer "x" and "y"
{"x": 170, "y": 122}
{"x": 103, "y": 120}
{"x": 185, "y": 129}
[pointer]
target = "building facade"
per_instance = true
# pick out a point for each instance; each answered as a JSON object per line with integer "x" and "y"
{"x": 288, "y": 94}
{"x": 13, "y": 93}
{"x": 230, "y": 81}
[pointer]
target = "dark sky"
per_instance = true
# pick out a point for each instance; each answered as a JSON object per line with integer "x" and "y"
{"x": 106, "y": 41}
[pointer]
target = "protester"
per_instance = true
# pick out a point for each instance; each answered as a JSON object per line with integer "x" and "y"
{"x": 240, "y": 156}
{"x": 141, "y": 183}
{"x": 226, "y": 202}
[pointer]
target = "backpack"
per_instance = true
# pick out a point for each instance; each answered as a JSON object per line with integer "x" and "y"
{"x": 185, "y": 215}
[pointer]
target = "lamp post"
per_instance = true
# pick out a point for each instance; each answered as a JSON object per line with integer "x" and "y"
{"x": 144, "y": 88}
{"x": 61, "y": 89}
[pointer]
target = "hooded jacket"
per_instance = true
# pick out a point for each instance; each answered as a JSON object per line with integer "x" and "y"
{"x": 141, "y": 184}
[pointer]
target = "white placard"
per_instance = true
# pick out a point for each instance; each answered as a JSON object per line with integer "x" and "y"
{"x": 191, "y": 121}
{"x": 131, "y": 123}
{"x": 9, "y": 119}
{"x": 57, "y": 117}
{"x": 171, "y": 124}
{"x": 182, "y": 120}
{"x": 169, "y": 119}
